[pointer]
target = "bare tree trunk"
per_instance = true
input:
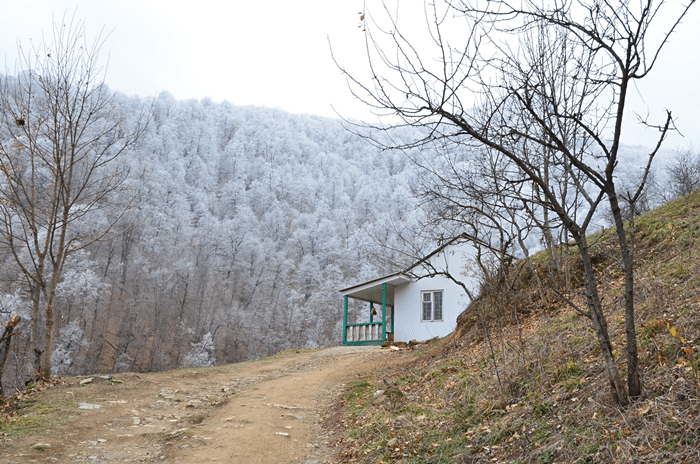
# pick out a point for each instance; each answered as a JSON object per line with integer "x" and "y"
{"x": 633, "y": 378}
{"x": 34, "y": 344}
{"x": 600, "y": 326}
{"x": 7, "y": 338}
{"x": 45, "y": 368}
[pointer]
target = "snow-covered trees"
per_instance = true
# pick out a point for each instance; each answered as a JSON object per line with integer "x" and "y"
{"x": 245, "y": 223}
{"x": 683, "y": 172}
{"x": 200, "y": 354}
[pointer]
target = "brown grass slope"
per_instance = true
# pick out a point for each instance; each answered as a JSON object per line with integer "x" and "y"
{"x": 521, "y": 379}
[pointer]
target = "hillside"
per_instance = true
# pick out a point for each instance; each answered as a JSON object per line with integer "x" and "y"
{"x": 521, "y": 381}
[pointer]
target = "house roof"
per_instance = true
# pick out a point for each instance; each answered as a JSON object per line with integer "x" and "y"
{"x": 372, "y": 291}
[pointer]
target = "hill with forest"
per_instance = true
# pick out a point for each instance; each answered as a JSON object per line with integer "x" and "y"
{"x": 245, "y": 221}
{"x": 522, "y": 380}
{"x": 243, "y": 224}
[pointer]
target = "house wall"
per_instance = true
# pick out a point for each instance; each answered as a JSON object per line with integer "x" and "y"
{"x": 408, "y": 304}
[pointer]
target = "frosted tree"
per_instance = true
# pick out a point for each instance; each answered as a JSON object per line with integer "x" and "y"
{"x": 683, "y": 172}
{"x": 68, "y": 345}
{"x": 201, "y": 353}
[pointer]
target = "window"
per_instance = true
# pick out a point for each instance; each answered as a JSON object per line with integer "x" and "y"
{"x": 432, "y": 305}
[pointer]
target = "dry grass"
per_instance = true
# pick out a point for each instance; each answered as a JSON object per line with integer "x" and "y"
{"x": 521, "y": 381}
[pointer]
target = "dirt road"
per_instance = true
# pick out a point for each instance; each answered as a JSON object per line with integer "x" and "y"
{"x": 265, "y": 411}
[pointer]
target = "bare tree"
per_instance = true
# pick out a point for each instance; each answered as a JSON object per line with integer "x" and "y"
{"x": 60, "y": 181}
{"x": 542, "y": 85}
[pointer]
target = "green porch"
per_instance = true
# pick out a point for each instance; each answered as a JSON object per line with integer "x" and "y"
{"x": 379, "y": 293}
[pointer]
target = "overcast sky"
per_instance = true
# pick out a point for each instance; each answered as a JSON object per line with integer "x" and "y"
{"x": 276, "y": 53}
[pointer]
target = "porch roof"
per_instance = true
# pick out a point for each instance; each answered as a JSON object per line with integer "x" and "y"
{"x": 371, "y": 291}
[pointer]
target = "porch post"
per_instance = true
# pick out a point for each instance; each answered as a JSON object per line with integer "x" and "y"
{"x": 345, "y": 321}
{"x": 383, "y": 312}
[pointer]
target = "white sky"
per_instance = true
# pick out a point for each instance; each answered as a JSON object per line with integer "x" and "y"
{"x": 275, "y": 53}
{"x": 272, "y": 53}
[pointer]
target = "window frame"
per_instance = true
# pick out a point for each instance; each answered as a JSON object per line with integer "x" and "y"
{"x": 432, "y": 301}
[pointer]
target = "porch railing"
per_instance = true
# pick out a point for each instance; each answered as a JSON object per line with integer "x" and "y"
{"x": 361, "y": 334}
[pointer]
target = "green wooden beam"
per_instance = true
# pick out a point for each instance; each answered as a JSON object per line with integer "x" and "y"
{"x": 383, "y": 312}
{"x": 345, "y": 321}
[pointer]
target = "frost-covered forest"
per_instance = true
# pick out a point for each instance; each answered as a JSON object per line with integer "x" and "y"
{"x": 245, "y": 223}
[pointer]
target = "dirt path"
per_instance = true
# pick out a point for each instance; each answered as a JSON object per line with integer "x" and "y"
{"x": 266, "y": 411}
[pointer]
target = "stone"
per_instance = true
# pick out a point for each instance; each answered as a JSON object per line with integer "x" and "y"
{"x": 88, "y": 406}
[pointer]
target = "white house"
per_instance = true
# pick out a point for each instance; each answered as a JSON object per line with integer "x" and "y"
{"x": 419, "y": 303}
